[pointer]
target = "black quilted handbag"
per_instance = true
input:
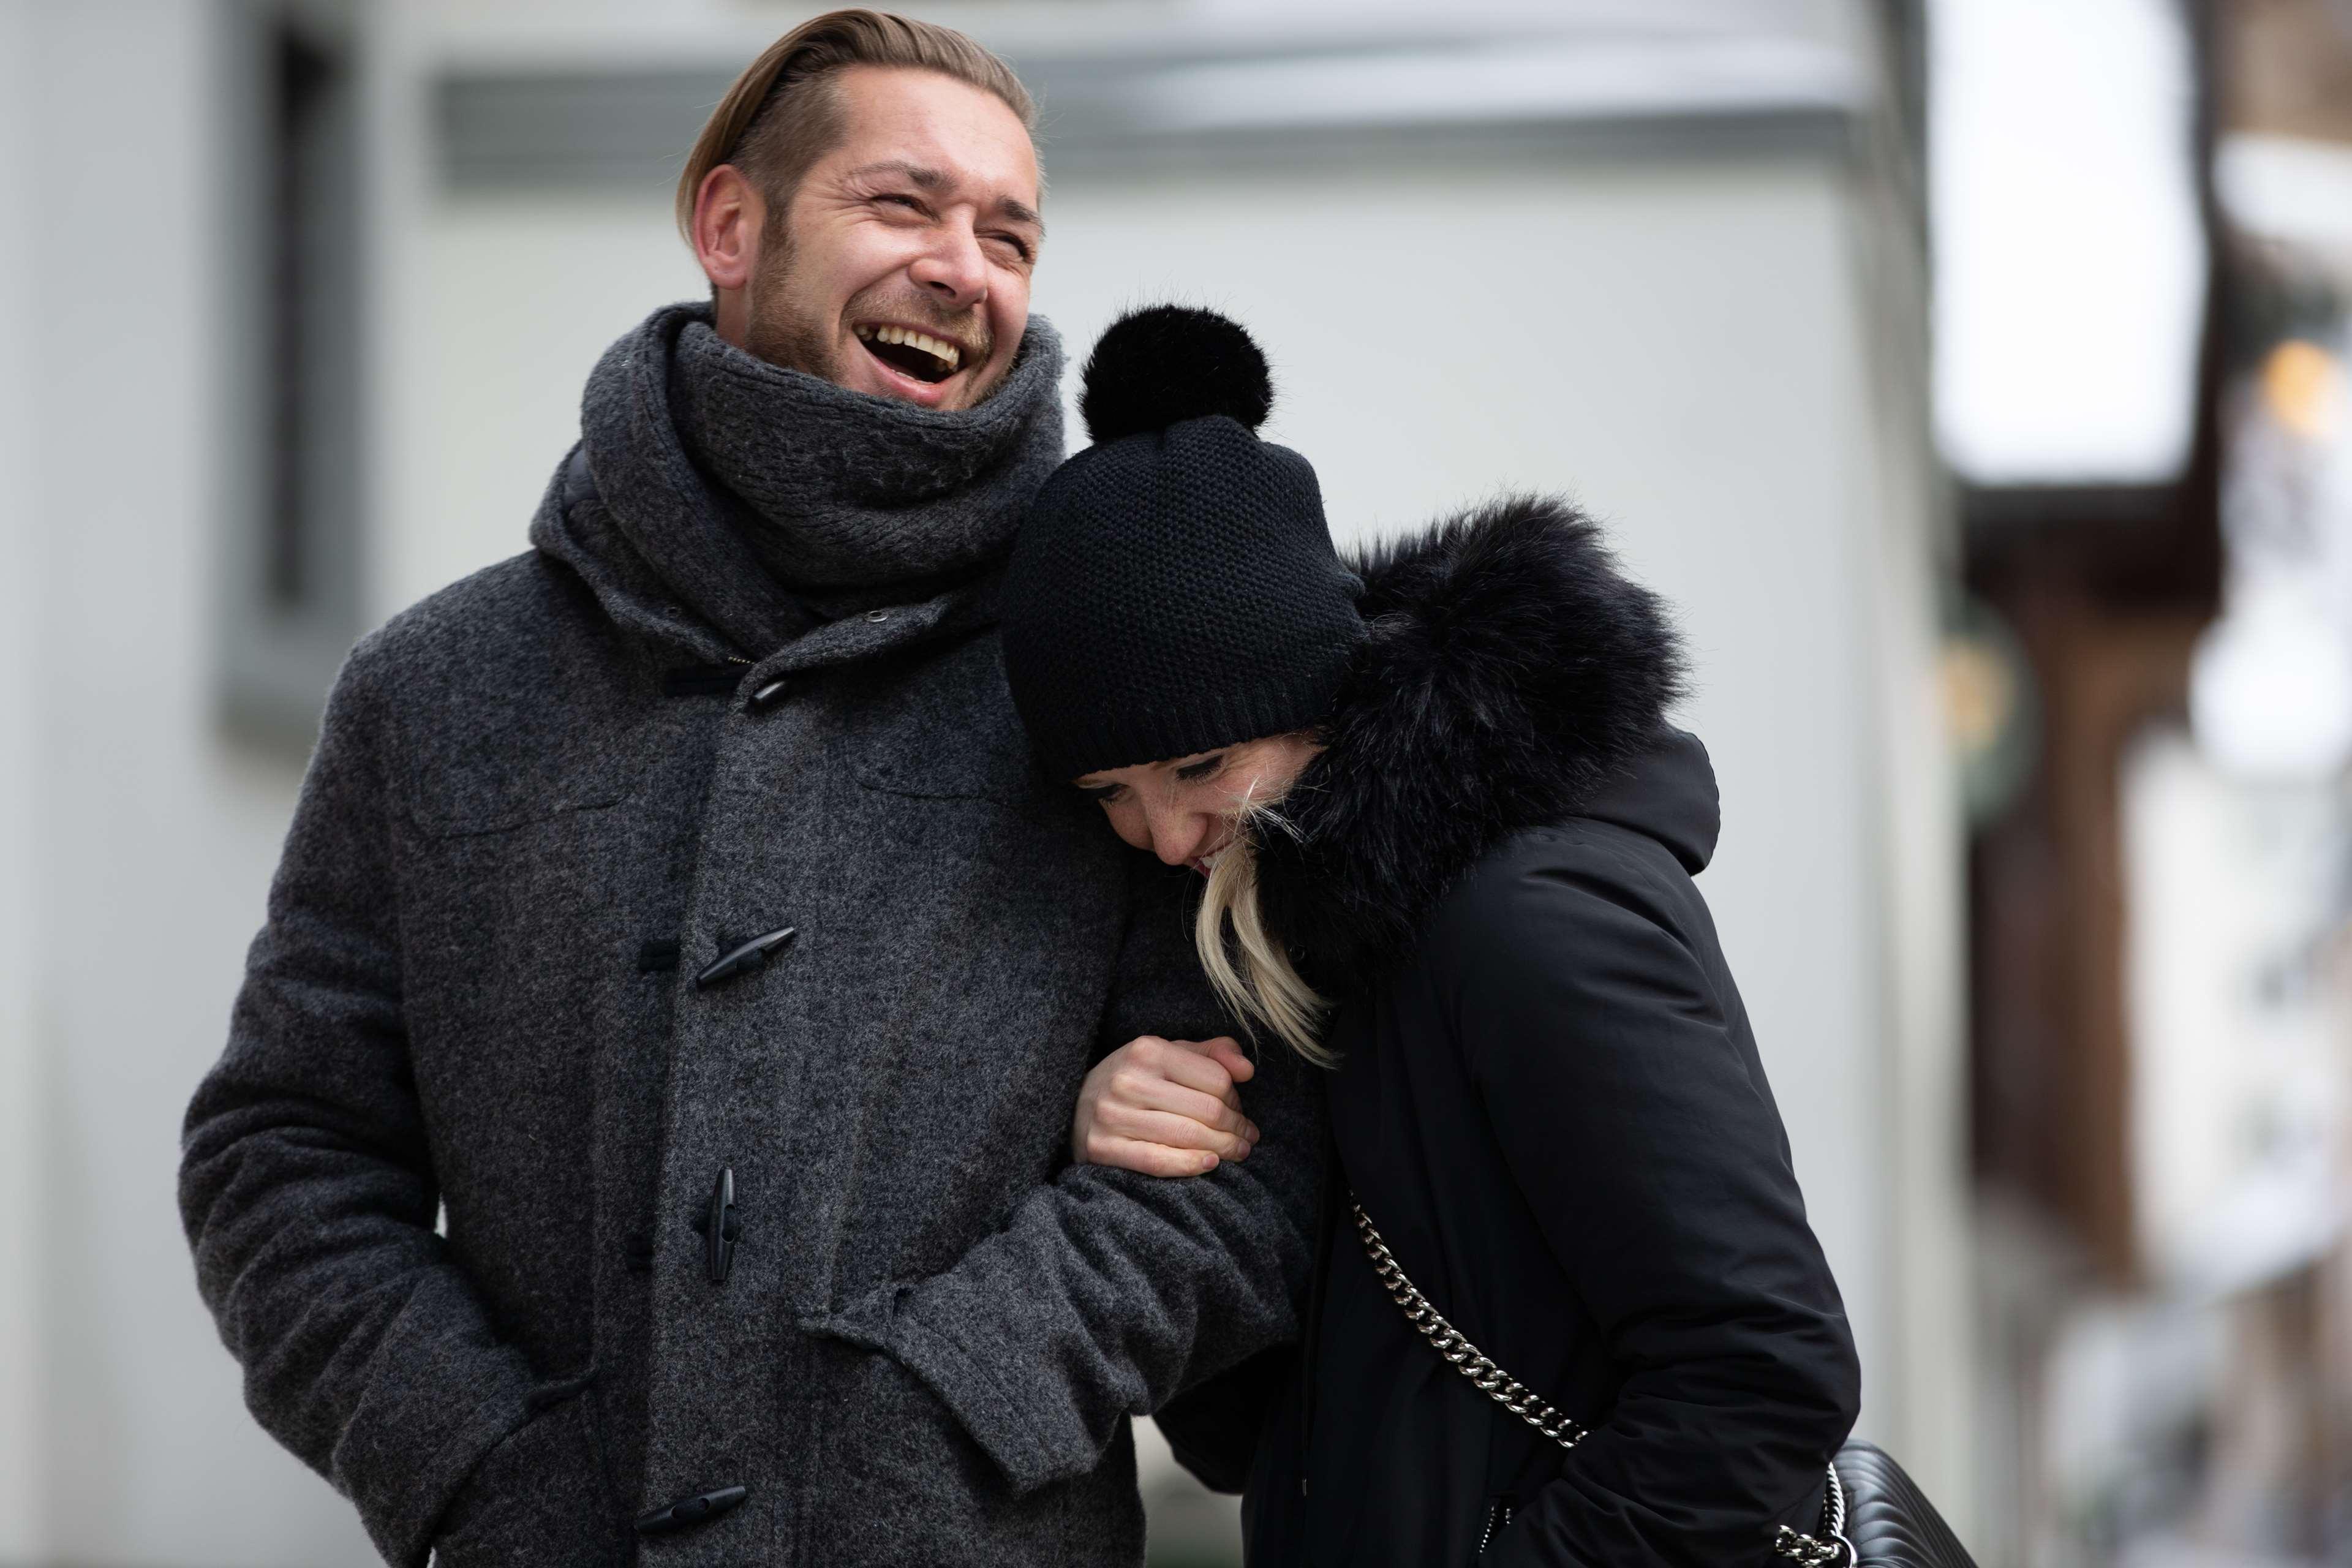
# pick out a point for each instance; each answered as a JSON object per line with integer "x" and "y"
{"x": 1889, "y": 1522}
{"x": 1873, "y": 1514}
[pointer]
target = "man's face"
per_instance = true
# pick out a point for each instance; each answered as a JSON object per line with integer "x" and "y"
{"x": 901, "y": 268}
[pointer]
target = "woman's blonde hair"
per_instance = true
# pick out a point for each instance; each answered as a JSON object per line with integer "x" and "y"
{"x": 1246, "y": 963}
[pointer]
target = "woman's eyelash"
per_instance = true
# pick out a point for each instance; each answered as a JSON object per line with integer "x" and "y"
{"x": 1193, "y": 772}
{"x": 1100, "y": 792}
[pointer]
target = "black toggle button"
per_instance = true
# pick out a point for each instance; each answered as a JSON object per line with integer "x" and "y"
{"x": 719, "y": 1226}
{"x": 692, "y": 1510}
{"x": 751, "y": 955}
{"x": 768, "y": 696}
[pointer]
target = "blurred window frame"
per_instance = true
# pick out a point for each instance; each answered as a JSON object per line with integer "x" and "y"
{"x": 293, "y": 356}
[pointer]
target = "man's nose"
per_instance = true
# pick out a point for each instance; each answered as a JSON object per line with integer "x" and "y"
{"x": 953, "y": 270}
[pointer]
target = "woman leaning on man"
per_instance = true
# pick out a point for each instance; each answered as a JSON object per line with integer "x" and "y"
{"x": 1448, "y": 840}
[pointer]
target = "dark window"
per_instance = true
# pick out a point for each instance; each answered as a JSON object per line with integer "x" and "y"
{"x": 291, "y": 595}
{"x": 306, "y": 89}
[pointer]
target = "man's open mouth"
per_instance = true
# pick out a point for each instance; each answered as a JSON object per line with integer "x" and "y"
{"x": 911, "y": 353}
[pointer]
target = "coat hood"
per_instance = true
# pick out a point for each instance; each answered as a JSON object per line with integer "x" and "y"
{"x": 1510, "y": 677}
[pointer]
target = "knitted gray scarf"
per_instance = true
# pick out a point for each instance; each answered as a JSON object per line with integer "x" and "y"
{"x": 767, "y": 501}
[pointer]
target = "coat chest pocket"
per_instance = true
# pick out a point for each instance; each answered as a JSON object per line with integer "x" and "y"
{"x": 950, "y": 734}
{"x": 468, "y": 785}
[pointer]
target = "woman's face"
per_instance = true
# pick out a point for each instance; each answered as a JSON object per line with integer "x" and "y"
{"x": 1183, "y": 809}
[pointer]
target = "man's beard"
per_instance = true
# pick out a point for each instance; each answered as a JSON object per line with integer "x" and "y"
{"x": 782, "y": 333}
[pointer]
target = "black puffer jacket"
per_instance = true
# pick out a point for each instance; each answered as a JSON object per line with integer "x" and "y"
{"x": 1549, "y": 1102}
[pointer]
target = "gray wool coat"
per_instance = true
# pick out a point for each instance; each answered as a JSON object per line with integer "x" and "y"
{"x": 546, "y": 804}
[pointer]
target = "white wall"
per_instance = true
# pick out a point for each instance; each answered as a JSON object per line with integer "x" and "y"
{"x": 152, "y": 839}
{"x": 20, "y": 1447}
{"x": 1677, "y": 345}
{"x": 511, "y": 304}
{"x": 1908, "y": 543}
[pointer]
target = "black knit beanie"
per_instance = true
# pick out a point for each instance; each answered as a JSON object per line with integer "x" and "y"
{"x": 1174, "y": 588}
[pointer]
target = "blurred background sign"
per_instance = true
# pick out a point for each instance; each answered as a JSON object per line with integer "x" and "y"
{"x": 2069, "y": 250}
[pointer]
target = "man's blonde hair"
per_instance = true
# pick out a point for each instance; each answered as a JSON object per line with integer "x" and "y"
{"x": 784, "y": 112}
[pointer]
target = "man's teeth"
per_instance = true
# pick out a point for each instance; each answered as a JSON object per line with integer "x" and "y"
{"x": 946, "y": 354}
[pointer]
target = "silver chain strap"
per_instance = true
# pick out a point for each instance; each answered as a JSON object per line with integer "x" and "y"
{"x": 1810, "y": 1552}
{"x": 1472, "y": 1363}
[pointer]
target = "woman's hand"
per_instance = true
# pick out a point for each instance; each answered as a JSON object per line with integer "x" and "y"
{"x": 1165, "y": 1107}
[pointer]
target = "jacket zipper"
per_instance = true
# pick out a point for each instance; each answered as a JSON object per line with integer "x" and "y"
{"x": 1327, "y": 1230}
{"x": 1498, "y": 1519}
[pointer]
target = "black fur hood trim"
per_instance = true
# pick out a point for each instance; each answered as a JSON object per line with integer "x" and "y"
{"x": 1509, "y": 672}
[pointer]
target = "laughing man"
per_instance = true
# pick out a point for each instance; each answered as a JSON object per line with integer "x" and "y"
{"x": 674, "y": 912}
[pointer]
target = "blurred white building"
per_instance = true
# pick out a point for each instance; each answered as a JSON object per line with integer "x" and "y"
{"x": 298, "y": 300}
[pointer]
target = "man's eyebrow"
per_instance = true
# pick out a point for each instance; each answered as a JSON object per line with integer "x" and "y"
{"x": 924, "y": 178}
{"x": 919, "y": 175}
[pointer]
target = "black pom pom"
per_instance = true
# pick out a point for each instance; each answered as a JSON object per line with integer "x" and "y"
{"x": 1155, "y": 367}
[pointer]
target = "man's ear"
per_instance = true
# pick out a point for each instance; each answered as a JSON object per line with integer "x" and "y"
{"x": 729, "y": 215}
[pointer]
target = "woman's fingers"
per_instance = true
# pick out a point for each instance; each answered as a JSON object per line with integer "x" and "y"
{"x": 1152, "y": 1159}
{"x": 1174, "y": 1130}
{"x": 1178, "y": 1097}
{"x": 1227, "y": 1053}
{"x": 1182, "y": 1061}
{"x": 1147, "y": 1093}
